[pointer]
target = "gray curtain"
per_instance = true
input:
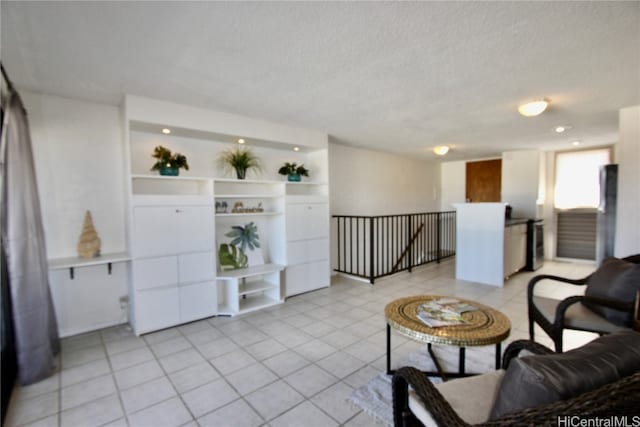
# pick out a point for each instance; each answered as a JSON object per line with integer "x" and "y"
{"x": 36, "y": 332}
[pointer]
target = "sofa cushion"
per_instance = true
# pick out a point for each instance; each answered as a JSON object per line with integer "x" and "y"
{"x": 537, "y": 380}
{"x": 474, "y": 410}
{"x": 616, "y": 280}
{"x": 577, "y": 316}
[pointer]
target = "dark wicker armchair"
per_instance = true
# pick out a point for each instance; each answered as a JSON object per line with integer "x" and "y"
{"x": 617, "y": 398}
{"x": 554, "y": 316}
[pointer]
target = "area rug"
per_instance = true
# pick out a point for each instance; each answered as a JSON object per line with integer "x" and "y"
{"x": 375, "y": 398}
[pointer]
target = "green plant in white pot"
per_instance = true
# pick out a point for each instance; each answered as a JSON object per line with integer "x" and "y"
{"x": 293, "y": 171}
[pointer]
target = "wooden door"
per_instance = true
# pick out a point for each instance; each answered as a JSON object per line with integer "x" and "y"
{"x": 484, "y": 181}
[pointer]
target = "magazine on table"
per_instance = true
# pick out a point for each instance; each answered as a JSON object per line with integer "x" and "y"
{"x": 443, "y": 312}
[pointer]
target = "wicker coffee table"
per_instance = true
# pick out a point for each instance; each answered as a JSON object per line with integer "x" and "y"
{"x": 484, "y": 326}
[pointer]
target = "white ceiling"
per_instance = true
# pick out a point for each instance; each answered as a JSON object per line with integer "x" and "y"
{"x": 400, "y": 77}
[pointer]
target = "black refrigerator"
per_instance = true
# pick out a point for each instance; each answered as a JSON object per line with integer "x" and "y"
{"x": 606, "y": 222}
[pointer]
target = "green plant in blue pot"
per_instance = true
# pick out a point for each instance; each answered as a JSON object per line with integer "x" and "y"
{"x": 168, "y": 163}
{"x": 293, "y": 171}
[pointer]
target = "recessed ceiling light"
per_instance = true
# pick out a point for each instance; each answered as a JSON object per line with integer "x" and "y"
{"x": 240, "y": 141}
{"x": 166, "y": 131}
{"x": 576, "y": 143}
{"x": 562, "y": 128}
{"x": 296, "y": 148}
{"x": 441, "y": 150}
{"x": 533, "y": 108}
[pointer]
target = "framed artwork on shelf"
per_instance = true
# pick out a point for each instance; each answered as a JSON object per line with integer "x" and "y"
{"x": 239, "y": 246}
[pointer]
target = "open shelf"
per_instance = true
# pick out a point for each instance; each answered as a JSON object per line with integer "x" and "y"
{"x": 306, "y": 183}
{"x": 171, "y": 178}
{"x": 247, "y": 196}
{"x": 257, "y": 270}
{"x": 256, "y": 303}
{"x": 255, "y": 287}
{"x": 247, "y": 181}
{"x": 250, "y": 214}
{"x": 61, "y": 263}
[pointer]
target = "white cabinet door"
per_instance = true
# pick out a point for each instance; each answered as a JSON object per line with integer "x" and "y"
{"x": 318, "y": 275}
{"x": 307, "y": 277}
{"x": 194, "y": 229}
{"x": 155, "y": 272}
{"x": 154, "y": 231}
{"x": 307, "y": 221}
{"x": 296, "y": 222}
{"x": 164, "y": 230}
{"x": 156, "y": 309}
{"x": 302, "y": 251}
{"x": 318, "y": 220}
{"x": 197, "y": 267}
{"x": 296, "y": 279}
{"x": 198, "y": 300}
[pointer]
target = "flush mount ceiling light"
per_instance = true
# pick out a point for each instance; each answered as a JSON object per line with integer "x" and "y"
{"x": 296, "y": 148}
{"x": 441, "y": 150}
{"x": 575, "y": 143}
{"x": 533, "y": 108}
{"x": 240, "y": 141}
{"x": 166, "y": 131}
{"x": 562, "y": 128}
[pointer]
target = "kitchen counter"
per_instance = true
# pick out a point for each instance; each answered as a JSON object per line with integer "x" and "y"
{"x": 515, "y": 221}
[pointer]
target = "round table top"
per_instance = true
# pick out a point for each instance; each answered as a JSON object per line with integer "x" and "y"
{"x": 484, "y": 326}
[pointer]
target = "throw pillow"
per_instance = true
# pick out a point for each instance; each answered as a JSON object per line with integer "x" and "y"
{"x": 537, "y": 380}
{"x": 616, "y": 280}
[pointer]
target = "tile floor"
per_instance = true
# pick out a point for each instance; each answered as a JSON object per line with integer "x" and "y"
{"x": 290, "y": 365}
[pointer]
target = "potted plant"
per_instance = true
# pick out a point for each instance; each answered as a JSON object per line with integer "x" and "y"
{"x": 168, "y": 163}
{"x": 293, "y": 171}
{"x": 239, "y": 160}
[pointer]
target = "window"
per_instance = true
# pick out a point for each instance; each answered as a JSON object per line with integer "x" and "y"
{"x": 577, "y": 178}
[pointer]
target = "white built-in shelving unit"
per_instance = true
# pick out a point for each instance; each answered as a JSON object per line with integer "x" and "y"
{"x": 177, "y": 224}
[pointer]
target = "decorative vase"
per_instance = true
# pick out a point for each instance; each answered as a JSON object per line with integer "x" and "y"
{"x": 169, "y": 171}
{"x": 89, "y": 242}
{"x": 293, "y": 177}
{"x": 241, "y": 173}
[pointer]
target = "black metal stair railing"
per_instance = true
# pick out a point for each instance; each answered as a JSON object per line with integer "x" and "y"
{"x": 376, "y": 246}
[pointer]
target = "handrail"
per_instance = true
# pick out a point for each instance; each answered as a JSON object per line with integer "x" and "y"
{"x": 375, "y": 246}
{"x": 406, "y": 251}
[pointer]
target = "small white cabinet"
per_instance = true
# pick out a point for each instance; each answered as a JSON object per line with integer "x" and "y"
{"x": 174, "y": 263}
{"x": 307, "y": 228}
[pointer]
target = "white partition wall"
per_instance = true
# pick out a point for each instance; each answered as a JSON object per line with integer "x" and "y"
{"x": 480, "y": 242}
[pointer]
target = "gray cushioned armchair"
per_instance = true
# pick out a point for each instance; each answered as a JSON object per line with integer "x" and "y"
{"x": 586, "y": 312}
{"x": 602, "y": 378}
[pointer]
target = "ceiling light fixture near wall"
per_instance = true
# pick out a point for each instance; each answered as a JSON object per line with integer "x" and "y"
{"x": 240, "y": 141}
{"x": 166, "y": 131}
{"x": 296, "y": 148}
{"x": 441, "y": 150}
{"x": 575, "y": 143}
{"x": 562, "y": 128}
{"x": 533, "y": 108}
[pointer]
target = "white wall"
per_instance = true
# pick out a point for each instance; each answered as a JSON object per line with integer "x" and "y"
{"x": 548, "y": 211}
{"x": 627, "y": 154}
{"x": 365, "y": 182}
{"x": 520, "y": 182}
{"x": 78, "y": 154}
{"x": 453, "y": 181}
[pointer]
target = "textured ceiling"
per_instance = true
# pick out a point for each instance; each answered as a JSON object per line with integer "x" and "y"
{"x": 400, "y": 77}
